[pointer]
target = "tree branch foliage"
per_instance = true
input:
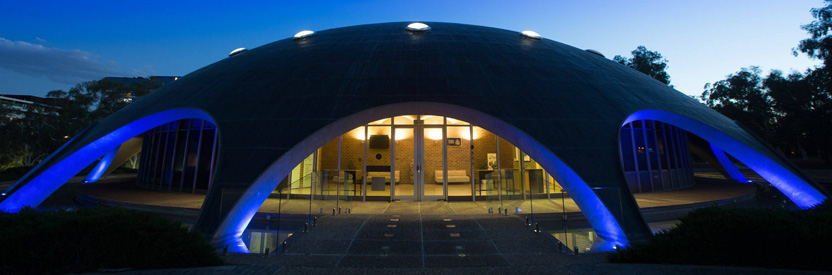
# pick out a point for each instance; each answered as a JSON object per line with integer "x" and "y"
{"x": 28, "y": 140}
{"x": 793, "y": 112}
{"x": 648, "y": 62}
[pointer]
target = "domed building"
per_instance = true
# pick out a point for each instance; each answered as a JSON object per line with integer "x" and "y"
{"x": 434, "y": 111}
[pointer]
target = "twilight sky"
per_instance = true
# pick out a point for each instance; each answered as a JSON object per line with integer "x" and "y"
{"x": 48, "y": 45}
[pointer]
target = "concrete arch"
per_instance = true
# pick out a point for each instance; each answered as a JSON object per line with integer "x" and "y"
{"x": 594, "y": 208}
{"x": 51, "y": 174}
{"x": 785, "y": 178}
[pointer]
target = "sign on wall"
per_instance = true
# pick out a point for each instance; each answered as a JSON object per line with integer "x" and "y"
{"x": 455, "y": 142}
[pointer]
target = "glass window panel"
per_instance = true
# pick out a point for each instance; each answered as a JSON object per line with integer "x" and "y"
{"x": 627, "y": 149}
{"x": 485, "y": 166}
{"x": 453, "y": 121}
{"x": 352, "y": 160}
{"x": 674, "y": 147}
{"x": 404, "y": 120}
{"x": 641, "y": 155}
{"x": 195, "y": 123}
{"x": 459, "y": 161}
{"x": 433, "y": 120}
{"x": 509, "y": 170}
{"x": 205, "y": 154}
{"x": 383, "y": 121}
{"x": 434, "y": 171}
{"x": 404, "y": 162}
{"x": 534, "y": 176}
{"x": 652, "y": 152}
{"x": 378, "y": 161}
{"x": 180, "y": 156}
{"x": 660, "y": 141}
{"x": 190, "y": 160}
{"x": 328, "y": 170}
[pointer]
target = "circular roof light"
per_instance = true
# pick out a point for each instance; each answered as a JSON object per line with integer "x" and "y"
{"x": 530, "y": 34}
{"x": 595, "y": 53}
{"x": 304, "y": 34}
{"x": 237, "y": 51}
{"x": 418, "y": 27}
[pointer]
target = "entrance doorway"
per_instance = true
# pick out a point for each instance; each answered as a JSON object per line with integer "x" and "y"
{"x": 418, "y": 158}
{"x": 423, "y": 159}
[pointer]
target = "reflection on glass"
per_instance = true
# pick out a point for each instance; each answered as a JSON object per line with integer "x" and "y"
{"x": 583, "y": 239}
{"x": 327, "y": 183}
{"x": 300, "y": 179}
{"x": 260, "y": 235}
{"x": 486, "y": 178}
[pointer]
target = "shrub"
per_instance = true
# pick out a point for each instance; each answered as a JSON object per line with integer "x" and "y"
{"x": 92, "y": 238}
{"x": 774, "y": 238}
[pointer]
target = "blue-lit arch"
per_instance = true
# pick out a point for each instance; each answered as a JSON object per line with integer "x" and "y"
{"x": 609, "y": 230}
{"x": 801, "y": 192}
{"x": 102, "y": 166}
{"x": 32, "y": 192}
{"x": 726, "y": 164}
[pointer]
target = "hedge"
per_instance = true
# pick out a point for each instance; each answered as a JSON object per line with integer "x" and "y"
{"x": 92, "y": 239}
{"x": 772, "y": 238}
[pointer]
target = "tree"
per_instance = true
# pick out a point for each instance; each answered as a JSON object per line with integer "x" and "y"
{"x": 742, "y": 97}
{"x": 819, "y": 45}
{"x": 648, "y": 62}
{"x": 791, "y": 101}
{"x": 26, "y": 141}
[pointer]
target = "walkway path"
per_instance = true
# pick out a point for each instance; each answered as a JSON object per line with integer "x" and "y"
{"x": 435, "y": 244}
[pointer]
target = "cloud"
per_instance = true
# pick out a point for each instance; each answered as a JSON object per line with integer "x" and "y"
{"x": 41, "y": 40}
{"x": 58, "y": 65}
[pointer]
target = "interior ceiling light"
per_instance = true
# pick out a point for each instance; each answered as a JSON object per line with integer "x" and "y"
{"x": 237, "y": 51}
{"x": 304, "y": 34}
{"x": 595, "y": 53}
{"x": 418, "y": 27}
{"x": 530, "y": 34}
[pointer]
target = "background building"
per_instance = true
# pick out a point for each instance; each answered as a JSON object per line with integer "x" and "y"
{"x": 18, "y": 105}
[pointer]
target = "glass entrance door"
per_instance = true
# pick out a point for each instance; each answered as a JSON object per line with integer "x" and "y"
{"x": 431, "y": 151}
{"x": 419, "y": 161}
{"x": 404, "y": 163}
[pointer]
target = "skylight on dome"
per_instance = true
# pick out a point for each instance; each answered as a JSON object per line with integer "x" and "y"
{"x": 304, "y": 34}
{"x": 419, "y": 27}
{"x": 530, "y": 34}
